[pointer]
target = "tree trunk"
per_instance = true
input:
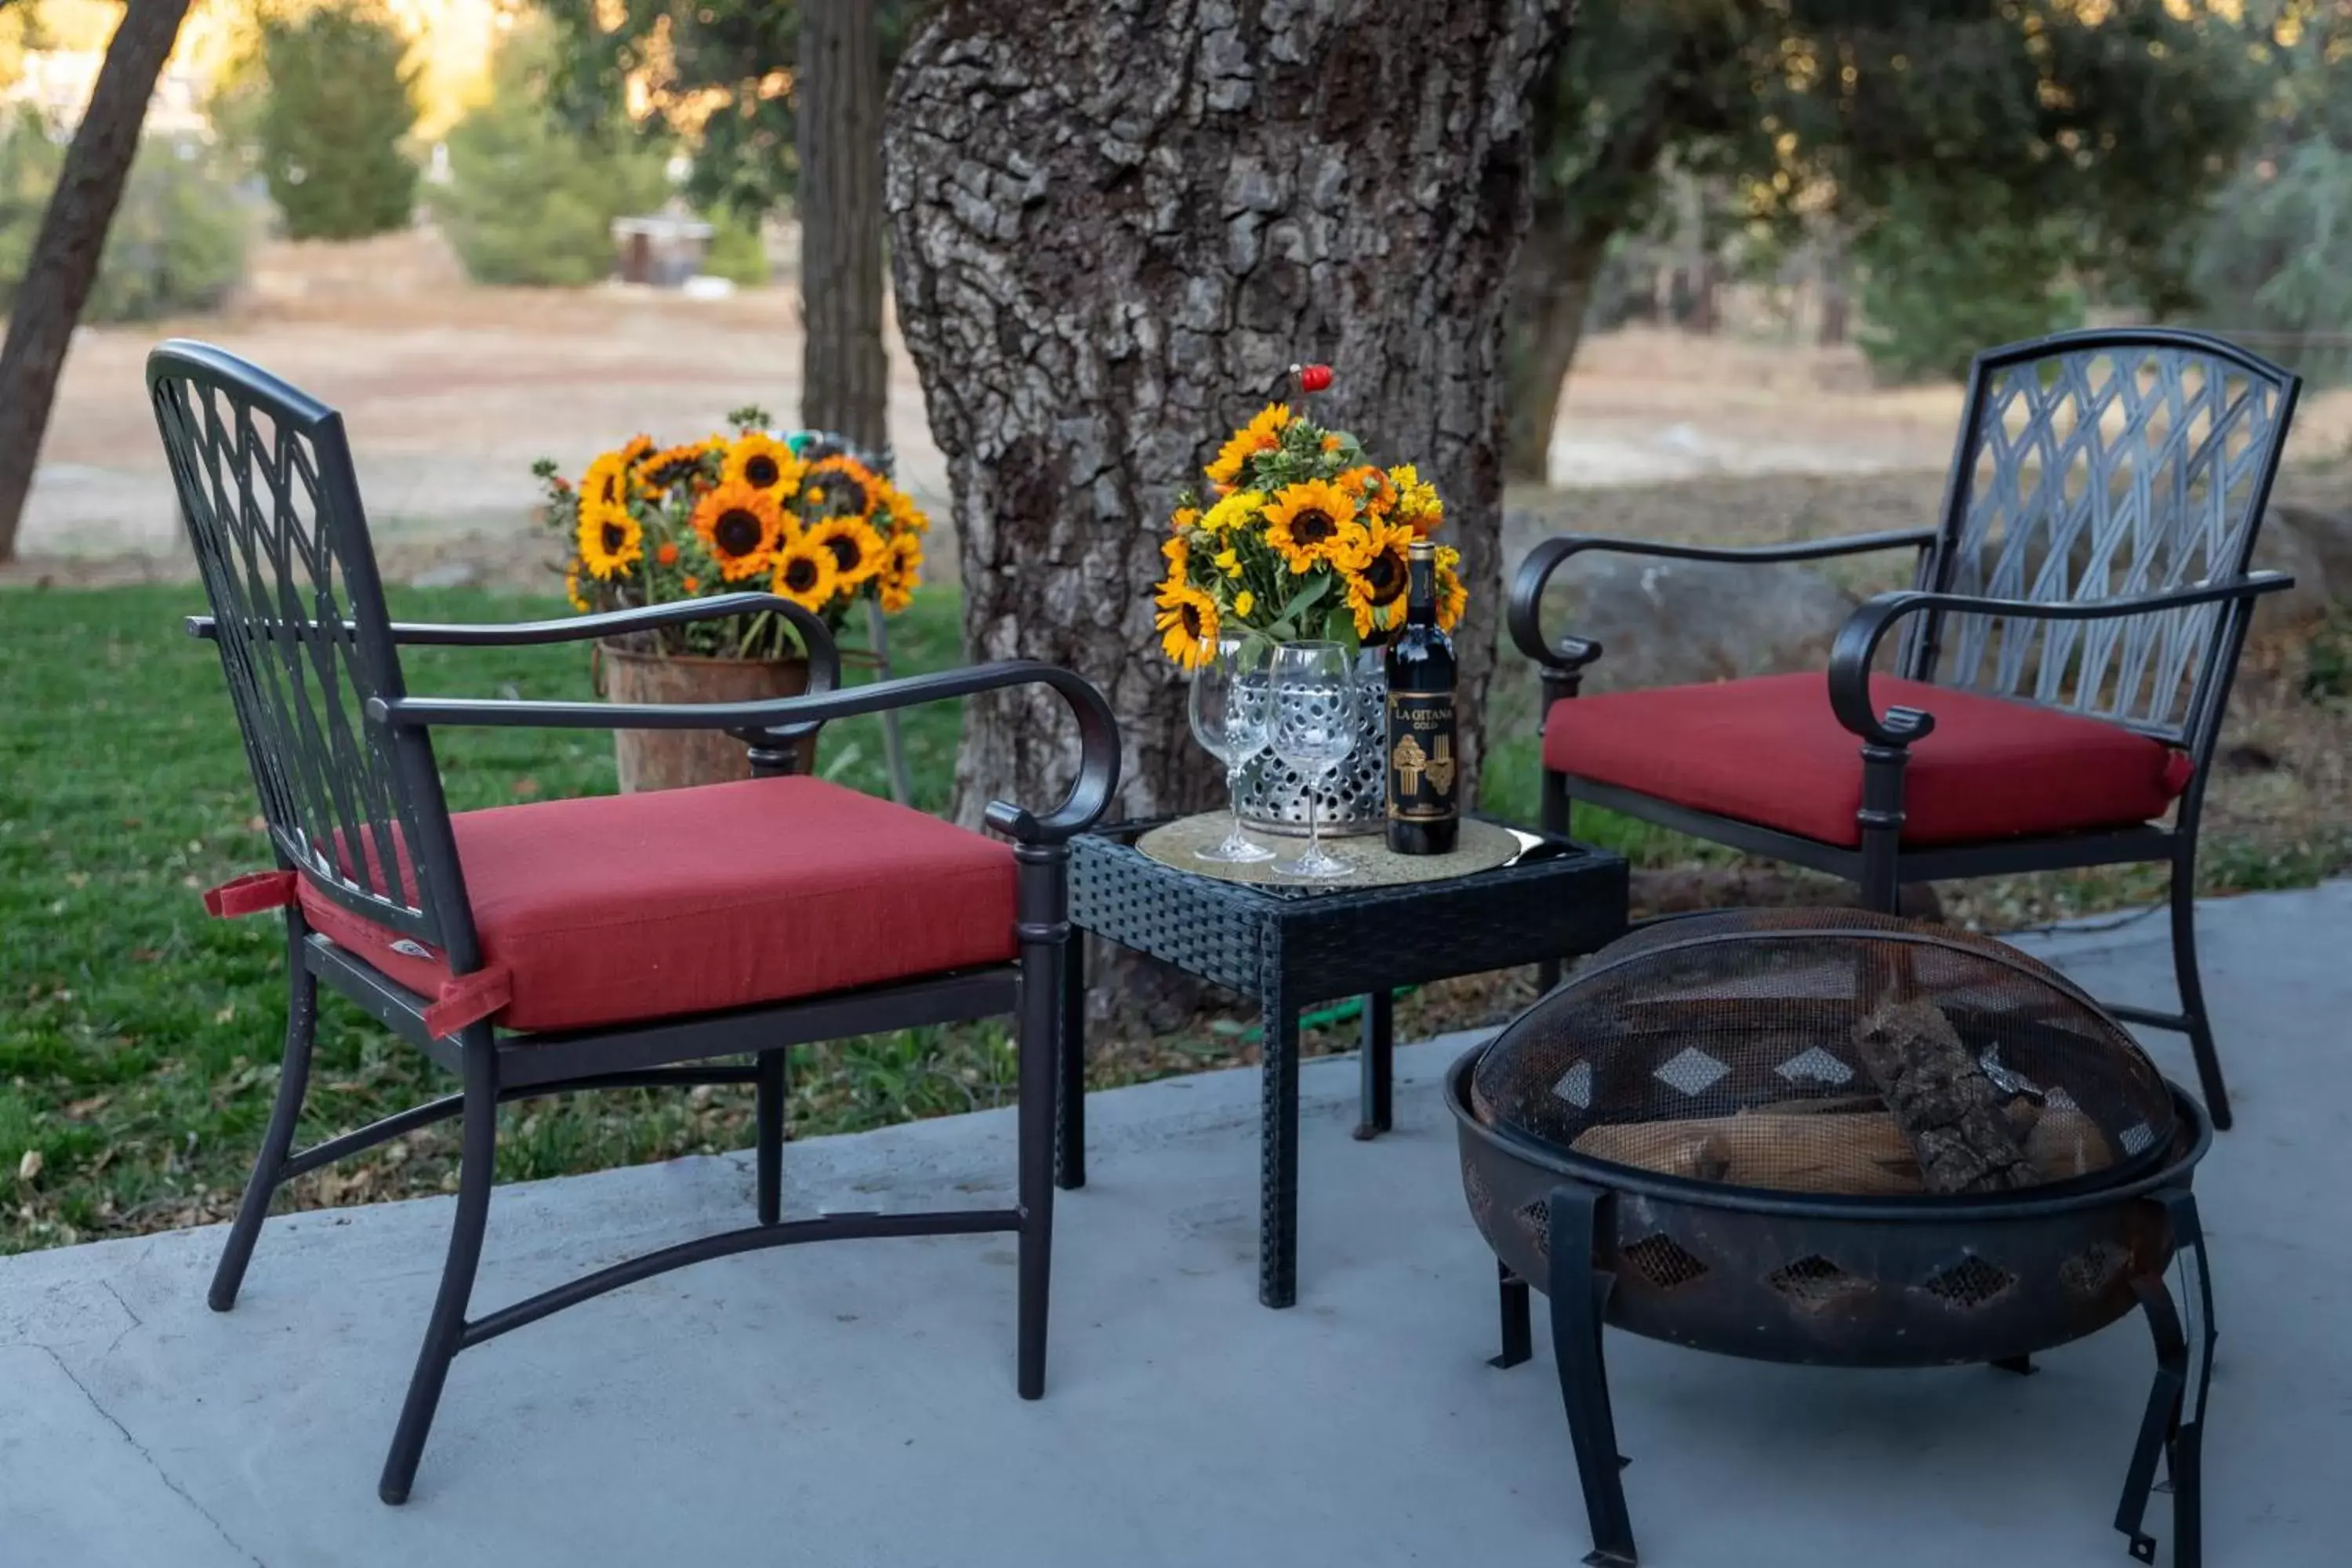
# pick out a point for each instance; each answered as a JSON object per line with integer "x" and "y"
{"x": 844, "y": 375}
{"x": 1552, "y": 294}
{"x": 64, "y": 262}
{"x": 1114, "y": 224}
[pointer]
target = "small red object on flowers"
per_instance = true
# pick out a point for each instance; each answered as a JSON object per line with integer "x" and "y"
{"x": 1315, "y": 378}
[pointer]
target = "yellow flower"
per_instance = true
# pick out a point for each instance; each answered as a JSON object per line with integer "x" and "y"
{"x": 1261, "y": 434}
{"x": 1314, "y": 521}
{"x": 1377, "y": 581}
{"x": 606, "y": 482}
{"x": 1332, "y": 442}
{"x": 1236, "y": 511}
{"x": 571, "y": 587}
{"x": 898, "y": 506}
{"x": 1416, "y": 504}
{"x": 639, "y": 448}
{"x": 742, "y": 527}
{"x": 1230, "y": 560}
{"x": 1179, "y": 550}
{"x": 1244, "y": 602}
{"x": 661, "y": 472}
{"x": 1188, "y": 624}
{"x": 1184, "y": 517}
{"x": 902, "y": 565}
{"x": 804, "y": 574}
{"x": 759, "y": 460}
{"x": 840, "y": 487}
{"x": 857, "y": 550}
{"x": 610, "y": 539}
{"x": 1453, "y": 599}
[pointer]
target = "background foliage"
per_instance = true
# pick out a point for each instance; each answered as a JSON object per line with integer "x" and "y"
{"x": 332, "y": 127}
{"x": 531, "y": 197}
{"x": 178, "y": 242}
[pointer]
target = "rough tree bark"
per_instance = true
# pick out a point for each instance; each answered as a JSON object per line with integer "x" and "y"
{"x": 845, "y": 374}
{"x": 64, "y": 262}
{"x": 1552, "y": 294}
{"x": 1116, "y": 222}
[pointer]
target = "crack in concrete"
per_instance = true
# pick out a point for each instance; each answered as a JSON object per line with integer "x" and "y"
{"x": 137, "y": 1322}
{"x": 141, "y": 1449}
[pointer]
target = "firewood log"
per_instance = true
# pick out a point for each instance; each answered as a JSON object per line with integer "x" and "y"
{"x": 1861, "y": 1153}
{"x": 1948, "y": 1110}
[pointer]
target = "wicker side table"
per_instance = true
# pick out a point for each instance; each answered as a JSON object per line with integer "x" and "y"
{"x": 1292, "y": 947}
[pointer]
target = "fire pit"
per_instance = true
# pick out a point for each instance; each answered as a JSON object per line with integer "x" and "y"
{"x": 1842, "y": 1139}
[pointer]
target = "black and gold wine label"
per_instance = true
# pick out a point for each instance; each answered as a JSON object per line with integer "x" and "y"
{"x": 1422, "y": 761}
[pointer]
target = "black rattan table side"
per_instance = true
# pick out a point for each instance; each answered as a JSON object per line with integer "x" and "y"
{"x": 1293, "y": 947}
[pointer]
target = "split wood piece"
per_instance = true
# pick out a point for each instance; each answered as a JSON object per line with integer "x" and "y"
{"x": 1946, "y": 1106}
{"x": 2066, "y": 1143}
{"x": 1782, "y": 1149}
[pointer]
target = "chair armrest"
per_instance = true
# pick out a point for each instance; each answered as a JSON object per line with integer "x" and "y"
{"x": 1858, "y": 639}
{"x": 824, "y": 658}
{"x": 1090, "y": 792}
{"x": 1572, "y": 653}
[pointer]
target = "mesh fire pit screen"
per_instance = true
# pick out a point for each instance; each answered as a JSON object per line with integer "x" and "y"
{"x": 1831, "y": 1052}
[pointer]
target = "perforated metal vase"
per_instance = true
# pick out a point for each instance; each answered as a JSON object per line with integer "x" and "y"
{"x": 1351, "y": 797}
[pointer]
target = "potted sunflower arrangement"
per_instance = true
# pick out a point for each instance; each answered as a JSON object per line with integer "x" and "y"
{"x": 1302, "y": 536}
{"x": 796, "y": 516}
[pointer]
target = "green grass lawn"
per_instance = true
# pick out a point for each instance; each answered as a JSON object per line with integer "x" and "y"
{"x": 139, "y": 1039}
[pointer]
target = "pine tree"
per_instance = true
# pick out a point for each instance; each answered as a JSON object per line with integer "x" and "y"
{"x": 340, "y": 107}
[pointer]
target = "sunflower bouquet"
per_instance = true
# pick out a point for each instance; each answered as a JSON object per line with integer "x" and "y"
{"x": 651, "y": 525}
{"x": 1303, "y": 537}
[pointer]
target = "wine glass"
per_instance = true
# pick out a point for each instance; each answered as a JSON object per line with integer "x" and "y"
{"x": 1313, "y": 729}
{"x": 1228, "y": 708}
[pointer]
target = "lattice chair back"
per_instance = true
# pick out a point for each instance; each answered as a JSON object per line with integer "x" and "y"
{"x": 272, "y": 506}
{"x": 2096, "y": 464}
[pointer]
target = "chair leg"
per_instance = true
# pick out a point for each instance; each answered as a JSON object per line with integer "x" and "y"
{"x": 293, "y": 1082}
{"x": 771, "y": 1135}
{"x": 2192, "y": 990}
{"x": 1044, "y": 911}
{"x": 445, "y": 1331}
{"x": 1555, "y": 813}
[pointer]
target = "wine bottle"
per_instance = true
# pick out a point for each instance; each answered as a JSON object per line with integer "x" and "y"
{"x": 1424, "y": 817}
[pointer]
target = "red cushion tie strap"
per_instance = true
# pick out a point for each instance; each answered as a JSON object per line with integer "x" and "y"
{"x": 469, "y": 999}
{"x": 254, "y": 893}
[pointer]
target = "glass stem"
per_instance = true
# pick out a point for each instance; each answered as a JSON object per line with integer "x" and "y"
{"x": 1315, "y": 819}
{"x": 1233, "y": 797}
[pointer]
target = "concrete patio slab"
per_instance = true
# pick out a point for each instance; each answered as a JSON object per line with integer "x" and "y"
{"x": 853, "y": 1404}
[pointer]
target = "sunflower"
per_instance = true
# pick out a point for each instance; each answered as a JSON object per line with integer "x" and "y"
{"x": 571, "y": 588}
{"x": 1234, "y": 511}
{"x": 1378, "y": 583}
{"x": 902, "y": 566}
{"x": 1179, "y": 551}
{"x": 606, "y": 481}
{"x": 742, "y": 527}
{"x": 759, "y": 460}
{"x": 858, "y": 552}
{"x": 1314, "y": 521}
{"x": 898, "y": 506}
{"x": 840, "y": 487}
{"x": 804, "y": 574}
{"x": 640, "y": 447}
{"x": 1261, "y": 434}
{"x": 610, "y": 539}
{"x": 661, "y": 472}
{"x": 1183, "y": 518}
{"x": 1188, "y": 625}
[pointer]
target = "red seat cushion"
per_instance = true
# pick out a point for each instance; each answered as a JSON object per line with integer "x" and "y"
{"x": 618, "y": 908}
{"x": 1768, "y": 750}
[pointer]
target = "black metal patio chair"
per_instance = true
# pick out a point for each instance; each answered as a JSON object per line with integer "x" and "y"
{"x": 737, "y": 920}
{"x": 2064, "y": 659}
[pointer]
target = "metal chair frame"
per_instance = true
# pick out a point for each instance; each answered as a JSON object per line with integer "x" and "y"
{"x": 342, "y": 758}
{"x": 2076, "y": 567}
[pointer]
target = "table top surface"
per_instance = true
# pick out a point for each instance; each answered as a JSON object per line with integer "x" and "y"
{"x": 1542, "y": 857}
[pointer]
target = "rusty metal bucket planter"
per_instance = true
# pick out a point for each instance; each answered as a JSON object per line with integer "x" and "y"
{"x": 680, "y": 759}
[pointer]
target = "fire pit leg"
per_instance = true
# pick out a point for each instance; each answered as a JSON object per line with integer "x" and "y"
{"x": 1580, "y": 1302}
{"x": 2174, "y": 1425}
{"x": 1519, "y": 1334}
